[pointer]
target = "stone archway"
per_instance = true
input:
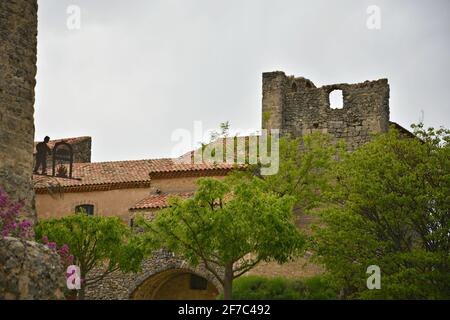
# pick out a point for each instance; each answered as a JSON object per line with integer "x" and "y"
{"x": 175, "y": 284}
{"x": 159, "y": 273}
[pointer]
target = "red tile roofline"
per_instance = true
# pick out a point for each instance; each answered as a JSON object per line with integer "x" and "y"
{"x": 97, "y": 187}
{"x": 402, "y": 129}
{"x": 203, "y": 172}
{"x": 159, "y": 201}
{"x": 200, "y": 171}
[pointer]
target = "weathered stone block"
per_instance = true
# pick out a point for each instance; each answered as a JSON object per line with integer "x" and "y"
{"x": 29, "y": 271}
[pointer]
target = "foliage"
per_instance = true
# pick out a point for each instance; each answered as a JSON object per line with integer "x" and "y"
{"x": 319, "y": 288}
{"x": 12, "y": 225}
{"x": 223, "y": 133}
{"x": 95, "y": 242}
{"x": 390, "y": 207}
{"x": 228, "y": 225}
{"x": 10, "y": 222}
{"x": 305, "y": 167}
{"x": 304, "y": 163}
{"x": 62, "y": 251}
{"x": 261, "y": 288}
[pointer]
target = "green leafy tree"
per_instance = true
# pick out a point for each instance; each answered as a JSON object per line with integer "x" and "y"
{"x": 103, "y": 242}
{"x": 390, "y": 207}
{"x": 305, "y": 167}
{"x": 305, "y": 164}
{"x": 228, "y": 226}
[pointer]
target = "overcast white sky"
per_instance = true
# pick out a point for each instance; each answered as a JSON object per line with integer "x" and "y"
{"x": 138, "y": 70}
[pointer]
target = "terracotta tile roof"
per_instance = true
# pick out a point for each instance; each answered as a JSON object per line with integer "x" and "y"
{"x": 159, "y": 201}
{"x": 198, "y": 156}
{"x": 402, "y": 130}
{"x": 126, "y": 174}
{"x": 52, "y": 143}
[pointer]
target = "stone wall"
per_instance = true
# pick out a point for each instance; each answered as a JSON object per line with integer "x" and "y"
{"x": 81, "y": 147}
{"x": 82, "y": 150}
{"x": 297, "y": 107}
{"x": 18, "y": 40}
{"x": 29, "y": 271}
{"x": 174, "y": 284}
{"x": 124, "y": 286}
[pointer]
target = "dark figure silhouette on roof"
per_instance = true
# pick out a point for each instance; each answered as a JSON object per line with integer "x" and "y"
{"x": 42, "y": 150}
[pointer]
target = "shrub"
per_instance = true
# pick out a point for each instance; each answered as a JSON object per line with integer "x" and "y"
{"x": 390, "y": 207}
{"x": 319, "y": 288}
{"x": 12, "y": 225}
{"x": 10, "y": 222}
{"x": 261, "y": 288}
{"x": 96, "y": 241}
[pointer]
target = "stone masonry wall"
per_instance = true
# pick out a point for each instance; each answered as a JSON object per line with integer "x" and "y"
{"x": 29, "y": 271}
{"x": 82, "y": 150}
{"x": 297, "y": 107}
{"x": 81, "y": 147}
{"x": 18, "y": 40}
{"x": 122, "y": 286}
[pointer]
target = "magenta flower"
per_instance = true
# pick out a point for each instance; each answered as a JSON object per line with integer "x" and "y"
{"x": 64, "y": 250}
{"x": 10, "y": 224}
{"x": 25, "y": 224}
{"x": 52, "y": 245}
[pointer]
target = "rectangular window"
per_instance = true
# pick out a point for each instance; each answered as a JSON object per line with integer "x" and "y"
{"x": 85, "y": 208}
{"x": 198, "y": 283}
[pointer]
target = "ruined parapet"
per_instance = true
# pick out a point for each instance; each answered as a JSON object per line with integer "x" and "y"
{"x": 81, "y": 147}
{"x": 18, "y": 41}
{"x": 297, "y": 107}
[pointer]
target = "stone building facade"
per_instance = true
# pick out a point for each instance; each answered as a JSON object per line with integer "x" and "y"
{"x": 120, "y": 188}
{"x": 18, "y": 41}
{"x": 297, "y": 107}
{"x": 125, "y": 189}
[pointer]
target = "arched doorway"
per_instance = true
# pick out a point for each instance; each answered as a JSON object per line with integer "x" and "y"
{"x": 175, "y": 284}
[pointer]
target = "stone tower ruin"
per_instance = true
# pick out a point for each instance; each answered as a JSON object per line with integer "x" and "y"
{"x": 296, "y": 107}
{"x": 18, "y": 41}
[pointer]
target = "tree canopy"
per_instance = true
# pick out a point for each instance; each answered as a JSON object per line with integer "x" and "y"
{"x": 305, "y": 169}
{"x": 228, "y": 226}
{"x": 95, "y": 241}
{"x": 390, "y": 207}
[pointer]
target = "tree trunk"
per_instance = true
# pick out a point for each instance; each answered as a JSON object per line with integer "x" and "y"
{"x": 81, "y": 292}
{"x": 228, "y": 282}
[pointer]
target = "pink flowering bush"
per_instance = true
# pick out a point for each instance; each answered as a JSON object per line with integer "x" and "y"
{"x": 11, "y": 225}
{"x": 63, "y": 251}
{"x": 66, "y": 261}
